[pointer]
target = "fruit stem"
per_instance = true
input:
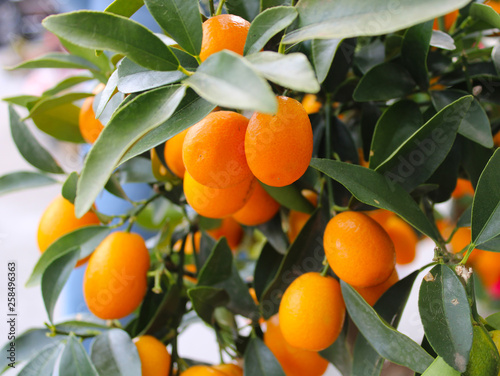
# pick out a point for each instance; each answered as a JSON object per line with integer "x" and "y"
{"x": 281, "y": 48}
{"x": 219, "y": 8}
{"x": 180, "y": 271}
{"x": 467, "y": 253}
{"x": 326, "y": 267}
{"x": 212, "y": 8}
{"x": 328, "y": 141}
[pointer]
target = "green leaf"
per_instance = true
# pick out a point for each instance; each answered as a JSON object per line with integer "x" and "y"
{"x": 486, "y": 14}
{"x": 383, "y": 82}
{"x": 181, "y": 20}
{"x": 66, "y": 84}
{"x": 440, "y": 368}
{"x": 414, "y": 52}
{"x": 305, "y": 254}
{"x": 89, "y": 54}
{"x": 344, "y": 18}
{"x": 129, "y": 124}
{"x": 190, "y": 111}
{"x": 105, "y": 31}
{"x": 264, "y": 4}
{"x": 55, "y": 277}
{"x": 486, "y": 204}
{"x": 218, "y": 266}
{"x": 83, "y": 325}
{"x": 60, "y": 122}
{"x": 86, "y": 239}
{"x": 43, "y": 362}
{"x": 228, "y": 80}
{"x": 475, "y": 124}
{"x": 56, "y": 60}
{"x": 124, "y": 7}
{"x": 290, "y": 197}
{"x": 75, "y": 360}
{"x": 114, "y": 187}
{"x": 442, "y": 40}
{"x": 444, "y": 307}
{"x": 69, "y": 187}
{"x": 114, "y": 354}
{"x": 45, "y": 104}
{"x": 136, "y": 170}
{"x": 16, "y": 181}
{"x": 374, "y": 189}
{"x": 484, "y": 358}
{"x": 494, "y": 320}
{"x": 266, "y": 25}
{"x": 292, "y": 70}
{"x": 393, "y": 128}
{"x": 323, "y": 52}
{"x": 22, "y": 100}
{"x": 29, "y": 147}
{"x": 247, "y": 9}
{"x": 266, "y": 268}
{"x": 390, "y": 307}
{"x": 102, "y": 99}
{"x": 260, "y": 361}
{"x": 387, "y": 341}
{"x": 420, "y": 155}
{"x": 339, "y": 353}
{"x": 206, "y": 299}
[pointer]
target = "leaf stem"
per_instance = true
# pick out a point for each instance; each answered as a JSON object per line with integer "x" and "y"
{"x": 282, "y": 47}
{"x": 467, "y": 253}
{"x": 219, "y": 8}
{"x": 326, "y": 267}
{"x": 185, "y": 71}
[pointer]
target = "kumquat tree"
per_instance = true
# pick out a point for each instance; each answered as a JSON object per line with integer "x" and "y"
{"x": 300, "y": 155}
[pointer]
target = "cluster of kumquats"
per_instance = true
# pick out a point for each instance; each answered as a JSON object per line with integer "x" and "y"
{"x": 223, "y": 161}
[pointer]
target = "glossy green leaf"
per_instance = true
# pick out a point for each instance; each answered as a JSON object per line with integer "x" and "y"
{"x": 69, "y": 187}
{"x": 383, "y": 82}
{"x": 260, "y": 361}
{"x": 206, "y": 299}
{"x": 390, "y": 307}
{"x": 83, "y": 325}
{"x": 486, "y": 205}
{"x": 43, "y": 363}
{"x": 414, "y": 52}
{"x": 124, "y": 7}
{"x": 290, "y": 197}
{"x": 89, "y": 54}
{"x": 189, "y": 112}
{"x": 116, "y": 101}
{"x": 494, "y": 320}
{"x": 485, "y": 14}
{"x": 484, "y": 357}
{"x": 228, "y": 80}
{"x": 442, "y": 40}
{"x": 67, "y": 84}
{"x": 419, "y": 156}
{"x": 323, "y": 52}
{"x": 136, "y": 170}
{"x": 28, "y": 146}
{"x": 266, "y": 268}
{"x": 60, "y": 122}
{"x": 339, "y": 353}
{"x": 86, "y": 239}
{"x": 274, "y": 3}
{"x": 22, "y": 100}
{"x": 181, "y": 20}
{"x": 106, "y": 31}
{"x": 387, "y": 341}
{"x": 247, "y": 9}
{"x": 393, "y": 128}
{"x": 344, "y": 18}
{"x": 114, "y": 354}
{"x": 74, "y": 359}
{"x": 306, "y": 254}
{"x": 474, "y": 159}
{"x": 56, "y": 60}
{"x": 50, "y": 103}
{"x": 273, "y": 232}
{"x": 444, "y": 307}
{"x": 129, "y": 124}
{"x": 266, "y": 25}
{"x": 114, "y": 187}
{"x": 102, "y": 99}
{"x": 17, "y": 181}
{"x": 475, "y": 124}
{"x": 55, "y": 277}
{"x": 133, "y": 78}
{"x": 374, "y": 189}
{"x": 440, "y": 368}
{"x": 292, "y": 70}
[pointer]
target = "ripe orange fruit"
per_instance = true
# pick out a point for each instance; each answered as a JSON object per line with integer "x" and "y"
{"x": 216, "y": 203}
{"x": 229, "y": 369}
{"x": 311, "y": 103}
{"x": 173, "y": 154}
{"x": 231, "y": 230}
{"x": 224, "y": 32}
{"x": 312, "y": 312}
{"x": 260, "y": 208}
{"x": 190, "y": 268}
{"x": 372, "y": 294}
{"x": 59, "y": 219}
{"x": 487, "y": 266}
{"x": 496, "y": 139}
{"x": 115, "y": 280}
{"x": 188, "y": 248}
{"x": 463, "y": 188}
{"x": 495, "y": 4}
{"x": 160, "y": 172}
{"x": 358, "y": 249}
{"x": 90, "y": 127}
{"x": 404, "y": 239}
{"x": 202, "y": 371}
{"x": 461, "y": 239}
{"x": 294, "y": 361}
{"x": 296, "y": 219}
{"x": 155, "y": 359}
{"x": 362, "y": 161}
{"x": 449, "y": 20}
{"x": 213, "y": 150}
{"x": 279, "y": 147}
